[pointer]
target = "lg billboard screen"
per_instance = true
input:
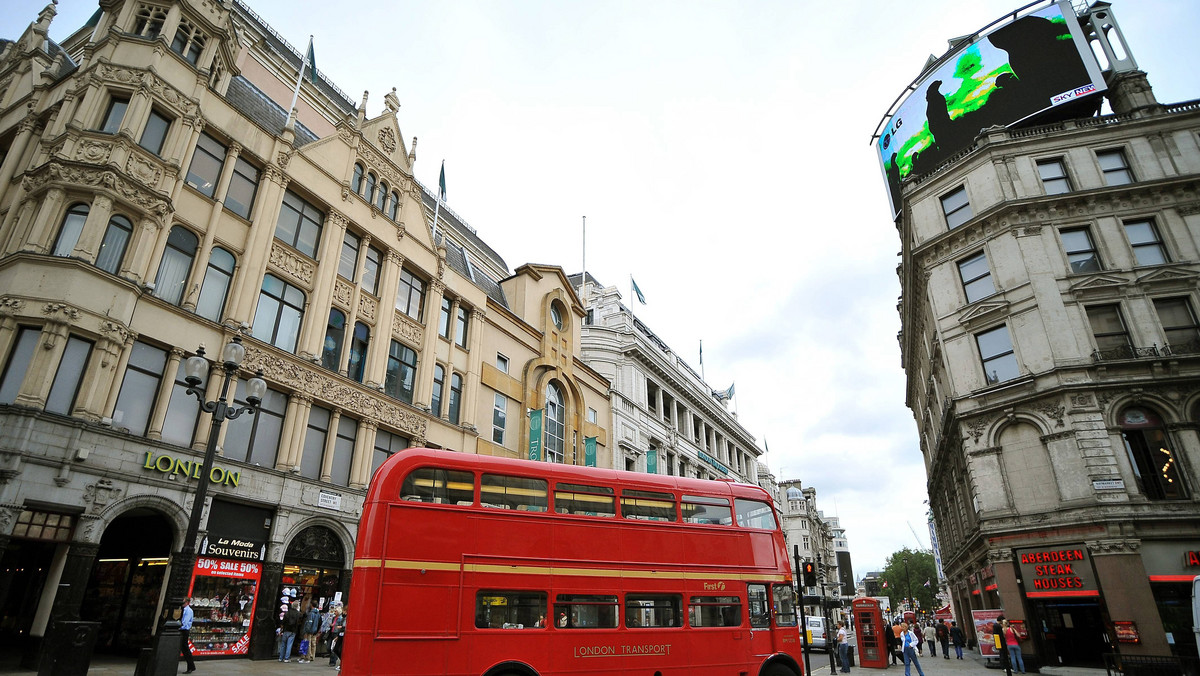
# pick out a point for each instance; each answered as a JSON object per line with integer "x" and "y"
{"x": 1034, "y": 63}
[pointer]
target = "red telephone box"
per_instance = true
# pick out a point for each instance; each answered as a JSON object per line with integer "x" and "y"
{"x": 869, "y": 627}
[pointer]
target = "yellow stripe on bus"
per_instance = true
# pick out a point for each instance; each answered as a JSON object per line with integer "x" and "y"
{"x": 572, "y": 572}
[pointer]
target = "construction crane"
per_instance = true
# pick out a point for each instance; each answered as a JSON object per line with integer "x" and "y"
{"x": 920, "y": 545}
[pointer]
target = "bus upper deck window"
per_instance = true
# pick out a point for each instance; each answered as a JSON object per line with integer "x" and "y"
{"x": 754, "y": 514}
{"x": 513, "y": 492}
{"x": 585, "y": 500}
{"x": 703, "y": 509}
{"x": 647, "y": 505}
{"x": 442, "y": 486}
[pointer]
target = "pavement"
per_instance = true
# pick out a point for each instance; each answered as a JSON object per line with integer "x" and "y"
{"x": 105, "y": 665}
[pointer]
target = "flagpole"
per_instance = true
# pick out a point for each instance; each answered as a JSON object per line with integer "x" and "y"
{"x": 631, "y": 297}
{"x": 702, "y": 364}
{"x": 300, "y": 75}
{"x": 438, "y": 202}
{"x": 583, "y": 279}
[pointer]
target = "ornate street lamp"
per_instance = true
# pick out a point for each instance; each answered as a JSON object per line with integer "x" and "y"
{"x": 167, "y": 646}
{"x": 908, "y": 587}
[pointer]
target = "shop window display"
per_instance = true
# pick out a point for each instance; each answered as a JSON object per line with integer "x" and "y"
{"x": 223, "y": 594}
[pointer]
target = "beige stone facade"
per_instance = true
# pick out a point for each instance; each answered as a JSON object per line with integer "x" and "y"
{"x": 1052, "y": 354}
{"x": 155, "y": 196}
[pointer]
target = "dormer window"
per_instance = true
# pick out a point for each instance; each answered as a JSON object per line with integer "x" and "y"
{"x": 149, "y": 21}
{"x": 189, "y": 41}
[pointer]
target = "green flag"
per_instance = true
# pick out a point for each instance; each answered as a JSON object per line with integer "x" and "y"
{"x": 589, "y": 451}
{"x": 312, "y": 62}
{"x": 442, "y": 183}
{"x": 636, "y": 290}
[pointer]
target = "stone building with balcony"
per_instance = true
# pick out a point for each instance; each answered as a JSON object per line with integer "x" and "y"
{"x": 1050, "y": 282}
{"x": 158, "y": 194}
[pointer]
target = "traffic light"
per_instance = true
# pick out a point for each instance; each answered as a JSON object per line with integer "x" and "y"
{"x": 810, "y": 574}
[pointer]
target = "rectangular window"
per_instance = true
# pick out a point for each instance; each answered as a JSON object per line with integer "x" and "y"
{"x": 183, "y": 411}
{"x": 217, "y": 278}
{"x": 706, "y": 510}
{"x": 155, "y": 132}
{"x": 348, "y": 263}
{"x": 1147, "y": 245}
{"x": 455, "y": 398}
{"x": 139, "y": 388}
{"x": 370, "y": 275}
{"x": 386, "y": 445}
{"x": 444, "y": 318}
{"x": 343, "y": 451}
{"x": 510, "y": 609}
{"x": 114, "y": 115}
{"x": 585, "y": 611}
{"x": 513, "y": 492}
{"x": 957, "y": 207}
{"x": 188, "y": 42}
{"x": 410, "y": 296}
{"x": 18, "y": 363}
{"x": 401, "y": 372}
{"x": 69, "y": 375}
{"x": 460, "y": 328}
{"x": 585, "y": 500}
{"x": 647, "y": 505}
{"x": 785, "y": 609}
{"x": 314, "y": 442}
{"x": 976, "y": 277}
{"x": 501, "y": 363}
{"x": 1112, "y": 338}
{"x": 996, "y": 351}
{"x": 1081, "y": 252}
{"x": 1114, "y": 167}
{"x": 1179, "y": 325}
{"x": 279, "y": 313}
{"x": 591, "y": 415}
{"x": 205, "y": 169}
{"x": 754, "y": 514}
{"x": 435, "y": 399}
{"x": 38, "y": 525}
{"x": 715, "y": 611}
{"x": 254, "y": 439}
{"x": 243, "y": 185}
{"x": 499, "y": 416}
{"x": 759, "y": 604}
{"x": 299, "y": 224}
{"x": 442, "y": 486}
{"x": 653, "y": 610}
{"x": 1054, "y": 176}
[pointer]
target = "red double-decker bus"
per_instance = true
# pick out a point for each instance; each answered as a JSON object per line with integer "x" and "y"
{"x": 482, "y": 566}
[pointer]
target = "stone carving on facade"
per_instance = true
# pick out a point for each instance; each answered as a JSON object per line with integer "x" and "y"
{"x": 1052, "y": 410}
{"x": 76, "y": 176}
{"x": 1058, "y": 436}
{"x": 1082, "y": 401}
{"x": 342, "y": 291}
{"x": 282, "y": 159}
{"x": 10, "y": 305}
{"x": 1188, "y": 209}
{"x": 318, "y": 385}
{"x": 298, "y": 268}
{"x": 407, "y": 330}
{"x": 117, "y": 333}
{"x": 976, "y": 427}
{"x": 384, "y": 166}
{"x": 100, "y": 494}
{"x": 95, "y": 152}
{"x": 152, "y": 83}
{"x": 144, "y": 170}
{"x": 1000, "y": 555}
{"x": 316, "y": 543}
{"x": 387, "y": 140}
{"x": 68, "y": 312}
{"x": 1113, "y": 546}
{"x": 367, "y": 307}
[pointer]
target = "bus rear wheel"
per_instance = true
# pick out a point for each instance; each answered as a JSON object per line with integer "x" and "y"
{"x": 777, "y": 670}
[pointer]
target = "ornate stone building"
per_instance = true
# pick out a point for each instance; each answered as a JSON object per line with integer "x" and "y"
{"x": 1050, "y": 283}
{"x": 666, "y": 419}
{"x": 157, "y": 196}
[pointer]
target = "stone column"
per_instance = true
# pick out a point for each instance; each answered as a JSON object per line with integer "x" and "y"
{"x": 364, "y": 447}
{"x": 137, "y": 258}
{"x": 266, "y": 613}
{"x": 200, "y": 264}
{"x": 335, "y": 419}
{"x": 312, "y": 330}
{"x": 428, "y": 353}
{"x": 165, "y": 386}
{"x": 247, "y": 281}
{"x": 469, "y": 408}
{"x": 43, "y": 366}
{"x": 1125, "y": 585}
{"x": 295, "y": 427}
{"x": 385, "y": 315}
{"x": 16, "y": 151}
{"x": 77, "y": 570}
{"x": 93, "y": 229}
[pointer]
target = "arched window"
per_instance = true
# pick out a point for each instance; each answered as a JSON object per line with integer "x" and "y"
{"x": 279, "y": 313}
{"x": 369, "y": 194}
{"x": 112, "y": 247}
{"x": 176, "y": 265}
{"x": 1150, "y": 455}
{"x": 381, "y": 196}
{"x": 357, "y": 181}
{"x": 439, "y": 380}
{"x": 394, "y": 206}
{"x": 455, "y": 397}
{"x": 335, "y": 335}
{"x": 556, "y": 416}
{"x": 72, "y": 226}
{"x": 358, "y": 351}
{"x": 215, "y": 289}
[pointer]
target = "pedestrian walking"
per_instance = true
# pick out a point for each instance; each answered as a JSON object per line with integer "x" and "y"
{"x": 930, "y": 635}
{"x": 312, "y": 630}
{"x": 911, "y": 642}
{"x": 956, "y": 635}
{"x": 1014, "y": 647}
{"x": 943, "y": 637}
{"x": 288, "y": 627}
{"x": 843, "y": 647}
{"x": 185, "y": 631}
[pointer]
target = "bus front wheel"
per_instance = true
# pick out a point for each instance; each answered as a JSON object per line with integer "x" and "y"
{"x": 777, "y": 670}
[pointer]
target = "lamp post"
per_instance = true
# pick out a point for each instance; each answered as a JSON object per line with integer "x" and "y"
{"x": 908, "y": 586}
{"x": 167, "y": 646}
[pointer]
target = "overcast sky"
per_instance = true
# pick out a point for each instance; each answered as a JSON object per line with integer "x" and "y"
{"x": 721, "y": 153}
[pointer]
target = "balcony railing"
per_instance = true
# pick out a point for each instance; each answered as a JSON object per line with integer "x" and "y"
{"x": 1134, "y": 352}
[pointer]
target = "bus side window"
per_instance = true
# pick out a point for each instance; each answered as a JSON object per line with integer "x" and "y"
{"x": 574, "y": 611}
{"x": 647, "y": 505}
{"x": 754, "y": 514}
{"x": 442, "y": 486}
{"x": 653, "y": 610}
{"x": 715, "y": 611}
{"x": 513, "y": 492}
{"x": 785, "y": 607}
{"x": 760, "y": 607}
{"x": 703, "y": 509}
{"x": 585, "y": 500}
{"x": 510, "y": 609}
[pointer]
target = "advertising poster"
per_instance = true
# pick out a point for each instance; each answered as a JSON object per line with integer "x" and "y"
{"x": 1015, "y": 71}
{"x": 983, "y": 621}
{"x": 223, "y": 594}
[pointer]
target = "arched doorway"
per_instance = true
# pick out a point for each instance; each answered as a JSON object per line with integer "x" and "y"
{"x": 126, "y": 580}
{"x": 313, "y": 570}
